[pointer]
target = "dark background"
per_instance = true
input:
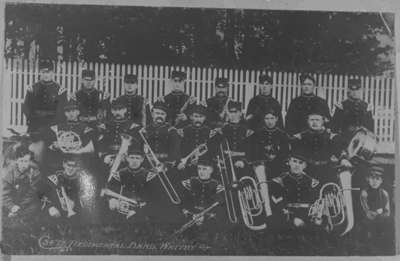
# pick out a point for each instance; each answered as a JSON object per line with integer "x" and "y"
{"x": 326, "y": 42}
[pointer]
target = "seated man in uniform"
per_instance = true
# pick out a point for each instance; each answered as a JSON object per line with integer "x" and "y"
{"x": 130, "y": 183}
{"x": 111, "y": 133}
{"x": 194, "y": 134}
{"x": 299, "y": 190}
{"x": 375, "y": 203}
{"x": 269, "y": 144}
{"x": 69, "y": 195}
{"x": 202, "y": 191}
{"x": 71, "y": 136}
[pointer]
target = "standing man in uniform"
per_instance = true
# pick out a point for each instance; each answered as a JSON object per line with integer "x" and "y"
{"x": 92, "y": 103}
{"x": 177, "y": 101}
{"x": 217, "y": 106}
{"x": 301, "y": 106}
{"x": 263, "y": 102}
{"x": 353, "y": 113}
{"x": 43, "y": 99}
{"x": 138, "y": 107}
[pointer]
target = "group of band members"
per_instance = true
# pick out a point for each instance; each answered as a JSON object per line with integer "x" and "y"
{"x": 299, "y": 153}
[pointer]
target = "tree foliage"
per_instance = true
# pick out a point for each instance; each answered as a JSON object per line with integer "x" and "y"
{"x": 336, "y": 42}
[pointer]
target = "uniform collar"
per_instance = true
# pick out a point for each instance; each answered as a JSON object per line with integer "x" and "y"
{"x": 121, "y": 120}
{"x": 270, "y": 130}
{"x": 73, "y": 122}
{"x": 354, "y": 100}
{"x": 177, "y": 93}
{"x": 204, "y": 180}
{"x": 269, "y": 96}
{"x": 88, "y": 91}
{"x": 131, "y": 95}
{"x": 317, "y": 132}
{"x": 308, "y": 95}
{"x": 296, "y": 177}
{"x": 48, "y": 83}
{"x": 135, "y": 171}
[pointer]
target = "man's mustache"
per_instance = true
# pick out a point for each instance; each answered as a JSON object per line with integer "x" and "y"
{"x": 159, "y": 119}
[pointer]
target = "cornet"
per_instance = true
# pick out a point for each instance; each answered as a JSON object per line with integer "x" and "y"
{"x": 66, "y": 203}
{"x": 126, "y": 205}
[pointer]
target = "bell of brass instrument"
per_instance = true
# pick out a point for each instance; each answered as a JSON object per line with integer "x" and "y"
{"x": 126, "y": 205}
{"x": 66, "y": 203}
{"x": 251, "y": 200}
{"x": 335, "y": 203}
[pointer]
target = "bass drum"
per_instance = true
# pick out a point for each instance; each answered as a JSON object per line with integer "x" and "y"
{"x": 362, "y": 145}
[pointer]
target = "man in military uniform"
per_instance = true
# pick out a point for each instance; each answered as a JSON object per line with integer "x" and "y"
{"x": 163, "y": 138}
{"x": 353, "y": 113}
{"x": 131, "y": 183}
{"x": 263, "y": 102}
{"x": 69, "y": 195}
{"x": 111, "y": 131}
{"x": 217, "y": 106}
{"x": 43, "y": 99}
{"x": 269, "y": 144}
{"x": 19, "y": 186}
{"x": 70, "y": 136}
{"x": 93, "y": 104}
{"x": 236, "y": 133}
{"x": 138, "y": 108}
{"x": 177, "y": 101}
{"x": 298, "y": 190}
{"x": 201, "y": 192}
{"x": 194, "y": 134}
{"x": 301, "y": 106}
{"x": 320, "y": 144}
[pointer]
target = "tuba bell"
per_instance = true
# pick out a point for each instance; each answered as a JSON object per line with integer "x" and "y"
{"x": 251, "y": 201}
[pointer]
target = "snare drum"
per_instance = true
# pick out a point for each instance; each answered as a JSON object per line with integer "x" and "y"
{"x": 363, "y": 145}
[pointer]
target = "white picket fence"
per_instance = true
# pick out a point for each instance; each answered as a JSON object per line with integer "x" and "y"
{"x": 19, "y": 74}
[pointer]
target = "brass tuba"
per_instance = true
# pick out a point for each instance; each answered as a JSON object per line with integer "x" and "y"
{"x": 251, "y": 200}
{"x": 335, "y": 203}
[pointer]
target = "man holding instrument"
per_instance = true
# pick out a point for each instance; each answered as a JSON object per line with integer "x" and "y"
{"x": 194, "y": 134}
{"x": 177, "y": 101}
{"x": 138, "y": 109}
{"x": 217, "y": 106}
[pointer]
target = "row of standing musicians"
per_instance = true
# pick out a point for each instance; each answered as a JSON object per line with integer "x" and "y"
{"x": 173, "y": 131}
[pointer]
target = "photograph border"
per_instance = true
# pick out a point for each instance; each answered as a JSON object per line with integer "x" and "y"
{"x": 391, "y": 6}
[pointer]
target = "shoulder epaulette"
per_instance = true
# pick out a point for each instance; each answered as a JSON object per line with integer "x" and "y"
{"x": 249, "y": 133}
{"x": 339, "y": 105}
{"x": 54, "y": 128}
{"x": 186, "y": 184}
{"x": 87, "y": 130}
{"x": 61, "y": 90}
{"x": 180, "y": 132}
{"x": 54, "y": 179}
{"x": 220, "y": 188}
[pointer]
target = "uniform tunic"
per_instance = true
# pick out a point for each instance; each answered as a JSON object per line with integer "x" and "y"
{"x": 193, "y": 136}
{"x": 202, "y": 193}
{"x": 91, "y": 105}
{"x": 352, "y": 114}
{"x": 300, "y": 108}
{"x": 135, "y": 105}
{"x": 260, "y": 104}
{"x": 42, "y": 105}
{"x": 215, "y": 106}
{"x": 270, "y": 146}
{"x": 175, "y": 102}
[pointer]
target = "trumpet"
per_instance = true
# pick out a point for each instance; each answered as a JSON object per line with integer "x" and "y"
{"x": 126, "y": 205}
{"x": 195, "y": 154}
{"x": 66, "y": 203}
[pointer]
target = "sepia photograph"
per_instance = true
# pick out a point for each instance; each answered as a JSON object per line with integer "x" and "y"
{"x": 193, "y": 131}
